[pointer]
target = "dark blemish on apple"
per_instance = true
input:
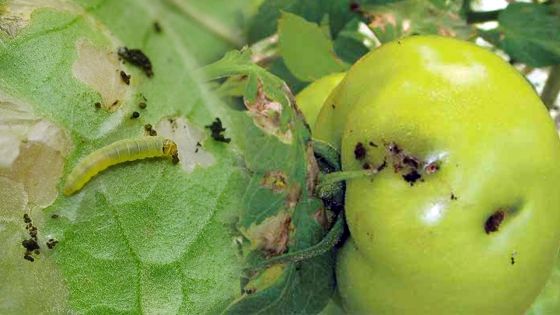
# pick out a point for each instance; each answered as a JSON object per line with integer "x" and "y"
{"x": 512, "y": 258}
{"x": 135, "y": 115}
{"x": 115, "y": 103}
{"x": 410, "y": 161}
{"x": 453, "y": 197}
{"x": 432, "y": 168}
{"x": 411, "y": 177}
{"x": 372, "y": 144}
{"x": 142, "y": 105}
{"x": 333, "y": 106}
{"x": 26, "y": 218}
{"x": 382, "y": 166}
{"x": 55, "y": 216}
{"x": 359, "y": 151}
{"x": 366, "y": 166}
{"x": 97, "y": 105}
{"x": 394, "y": 148}
{"x": 493, "y": 222}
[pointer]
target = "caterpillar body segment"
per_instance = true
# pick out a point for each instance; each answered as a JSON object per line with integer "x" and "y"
{"x": 115, "y": 153}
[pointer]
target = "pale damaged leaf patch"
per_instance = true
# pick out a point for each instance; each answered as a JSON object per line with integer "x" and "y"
{"x": 35, "y": 151}
{"x": 266, "y": 114}
{"x": 16, "y": 14}
{"x": 266, "y": 279}
{"x": 100, "y": 69}
{"x": 275, "y": 180}
{"x": 272, "y": 235}
{"x": 189, "y": 140}
{"x": 31, "y": 161}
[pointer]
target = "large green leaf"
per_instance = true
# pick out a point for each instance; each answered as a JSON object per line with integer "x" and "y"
{"x": 531, "y": 33}
{"x": 265, "y": 23}
{"x": 307, "y": 51}
{"x": 146, "y": 236}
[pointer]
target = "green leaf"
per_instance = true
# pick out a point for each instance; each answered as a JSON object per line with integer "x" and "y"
{"x": 266, "y": 21}
{"x": 531, "y": 33}
{"x": 306, "y": 50}
{"x": 278, "y": 67}
{"x": 279, "y": 212}
{"x": 354, "y": 41}
{"x": 141, "y": 237}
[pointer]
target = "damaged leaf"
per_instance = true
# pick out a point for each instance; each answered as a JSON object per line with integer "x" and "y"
{"x": 279, "y": 210}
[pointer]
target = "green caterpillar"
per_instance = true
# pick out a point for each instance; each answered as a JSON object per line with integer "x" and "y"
{"x": 115, "y": 153}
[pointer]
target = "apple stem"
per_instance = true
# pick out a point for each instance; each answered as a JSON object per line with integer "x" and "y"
{"x": 330, "y": 240}
{"x": 335, "y": 177}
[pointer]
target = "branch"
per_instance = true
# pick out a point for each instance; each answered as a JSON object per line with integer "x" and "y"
{"x": 480, "y": 17}
{"x": 551, "y": 87}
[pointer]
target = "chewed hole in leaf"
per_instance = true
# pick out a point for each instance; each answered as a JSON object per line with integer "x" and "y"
{"x": 32, "y": 151}
{"x": 189, "y": 139}
{"x": 100, "y": 69}
{"x": 266, "y": 114}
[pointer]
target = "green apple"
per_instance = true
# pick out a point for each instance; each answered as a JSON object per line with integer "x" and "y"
{"x": 311, "y": 99}
{"x": 463, "y": 215}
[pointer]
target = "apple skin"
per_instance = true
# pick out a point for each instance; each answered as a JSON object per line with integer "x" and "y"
{"x": 423, "y": 247}
{"x": 311, "y": 99}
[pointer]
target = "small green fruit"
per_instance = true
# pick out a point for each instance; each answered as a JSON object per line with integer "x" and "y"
{"x": 311, "y": 99}
{"x": 463, "y": 216}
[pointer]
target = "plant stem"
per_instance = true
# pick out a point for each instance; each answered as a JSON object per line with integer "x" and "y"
{"x": 327, "y": 153}
{"x": 551, "y": 87}
{"x": 335, "y": 177}
{"x": 480, "y": 17}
